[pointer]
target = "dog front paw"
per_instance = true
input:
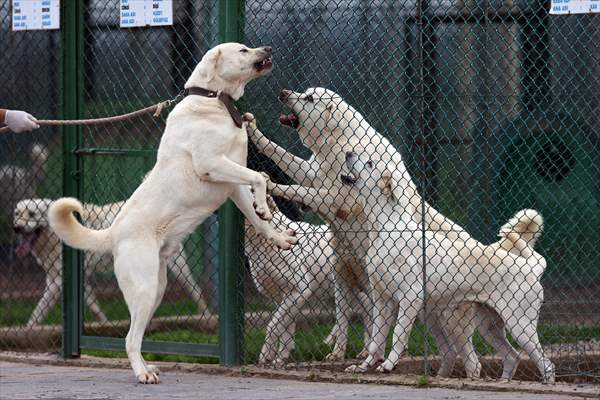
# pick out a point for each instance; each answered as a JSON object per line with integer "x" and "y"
{"x": 279, "y": 363}
{"x": 263, "y": 211}
{"x": 268, "y": 181}
{"x": 249, "y": 118}
{"x": 335, "y": 356}
{"x": 285, "y": 240}
{"x": 357, "y": 369}
{"x": 363, "y": 354}
{"x": 386, "y": 366}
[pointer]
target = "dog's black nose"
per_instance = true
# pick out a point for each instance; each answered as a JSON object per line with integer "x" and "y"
{"x": 268, "y": 49}
{"x": 18, "y": 229}
{"x": 285, "y": 93}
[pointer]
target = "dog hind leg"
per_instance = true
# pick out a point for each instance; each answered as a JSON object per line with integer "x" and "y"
{"x": 137, "y": 268}
{"x": 491, "y": 328}
{"x": 525, "y": 333}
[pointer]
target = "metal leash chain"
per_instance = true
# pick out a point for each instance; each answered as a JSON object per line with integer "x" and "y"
{"x": 156, "y": 109}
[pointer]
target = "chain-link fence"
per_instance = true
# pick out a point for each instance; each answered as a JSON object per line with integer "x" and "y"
{"x": 467, "y": 112}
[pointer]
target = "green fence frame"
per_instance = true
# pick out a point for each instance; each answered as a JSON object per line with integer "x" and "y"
{"x": 231, "y": 312}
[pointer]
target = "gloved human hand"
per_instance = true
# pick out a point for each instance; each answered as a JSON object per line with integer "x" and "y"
{"x": 19, "y": 121}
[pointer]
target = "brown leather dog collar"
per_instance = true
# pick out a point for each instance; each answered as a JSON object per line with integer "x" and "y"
{"x": 223, "y": 97}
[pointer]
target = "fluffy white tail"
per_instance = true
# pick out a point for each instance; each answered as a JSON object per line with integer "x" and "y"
{"x": 66, "y": 226}
{"x": 522, "y": 231}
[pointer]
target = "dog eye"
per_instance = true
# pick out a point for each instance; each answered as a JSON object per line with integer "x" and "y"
{"x": 309, "y": 98}
{"x": 243, "y": 50}
{"x": 369, "y": 164}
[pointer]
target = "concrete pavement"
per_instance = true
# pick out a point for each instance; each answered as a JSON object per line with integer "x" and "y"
{"x": 29, "y": 381}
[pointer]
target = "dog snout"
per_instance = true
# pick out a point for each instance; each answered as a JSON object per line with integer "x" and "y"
{"x": 268, "y": 49}
{"x": 284, "y": 95}
{"x": 18, "y": 229}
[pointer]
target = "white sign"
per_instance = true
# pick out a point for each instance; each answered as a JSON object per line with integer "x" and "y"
{"x": 575, "y": 6}
{"x": 35, "y": 14}
{"x": 146, "y": 13}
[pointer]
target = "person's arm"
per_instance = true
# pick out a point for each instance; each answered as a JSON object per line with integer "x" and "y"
{"x": 18, "y": 121}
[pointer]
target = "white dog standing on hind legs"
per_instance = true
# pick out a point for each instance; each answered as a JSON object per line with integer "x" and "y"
{"x": 329, "y": 127}
{"x": 508, "y": 282}
{"x": 201, "y": 162}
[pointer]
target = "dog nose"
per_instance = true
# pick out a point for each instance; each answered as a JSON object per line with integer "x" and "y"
{"x": 285, "y": 93}
{"x": 268, "y": 49}
{"x": 18, "y": 229}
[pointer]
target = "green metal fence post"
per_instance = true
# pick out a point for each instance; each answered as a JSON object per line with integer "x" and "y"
{"x": 72, "y": 100}
{"x": 231, "y": 299}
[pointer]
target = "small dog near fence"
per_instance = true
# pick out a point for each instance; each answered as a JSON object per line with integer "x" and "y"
{"x": 457, "y": 270}
{"x": 35, "y": 236}
{"x": 201, "y": 162}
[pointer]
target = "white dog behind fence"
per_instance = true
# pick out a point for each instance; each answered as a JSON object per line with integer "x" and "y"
{"x": 292, "y": 279}
{"x": 30, "y": 223}
{"x": 457, "y": 270}
{"x": 201, "y": 162}
{"x": 329, "y": 127}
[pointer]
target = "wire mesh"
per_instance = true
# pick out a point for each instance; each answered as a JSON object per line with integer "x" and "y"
{"x": 476, "y": 109}
{"x": 491, "y": 106}
{"x": 30, "y": 168}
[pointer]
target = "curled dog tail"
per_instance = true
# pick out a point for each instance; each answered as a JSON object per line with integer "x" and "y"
{"x": 522, "y": 231}
{"x": 66, "y": 226}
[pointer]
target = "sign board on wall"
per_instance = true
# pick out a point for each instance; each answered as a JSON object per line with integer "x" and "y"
{"x": 136, "y": 13}
{"x": 562, "y": 7}
{"x": 35, "y": 14}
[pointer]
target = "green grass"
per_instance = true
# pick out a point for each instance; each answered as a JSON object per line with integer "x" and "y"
{"x": 12, "y": 313}
{"x": 309, "y": 342}
{"x": 310, "y": 346}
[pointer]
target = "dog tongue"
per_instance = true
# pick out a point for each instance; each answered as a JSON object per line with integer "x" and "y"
{"x": 24, "y": 247}
{"x": 288, "y": 120}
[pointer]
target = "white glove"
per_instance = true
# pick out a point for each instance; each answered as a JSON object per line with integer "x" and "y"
{"x": 19, "y": 121}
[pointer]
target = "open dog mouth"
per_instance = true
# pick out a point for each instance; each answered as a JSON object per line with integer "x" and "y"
{"x": 289, "y": 120}
{"x": 264, "y": 64}
{"x": 348, "y": 179}
{"x": 26, "y": 242}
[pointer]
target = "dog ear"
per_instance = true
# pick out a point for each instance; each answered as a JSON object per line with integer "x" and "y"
{"x": 209, "y": 65}
{"x": 387, "y": 184}
{"x": 335, "y": 114}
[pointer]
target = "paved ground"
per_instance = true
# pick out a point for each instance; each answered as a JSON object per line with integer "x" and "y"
{"x": 27, "y": 381}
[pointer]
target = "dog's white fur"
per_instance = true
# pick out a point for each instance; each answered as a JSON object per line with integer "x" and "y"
{"x": 291, "y": 279}
{"x": 330, "y": 127}
{"x": 456, "y": 270}
{"x": 34, "y": 235}
{"x": 23, "y": 181}
{"x": 201, "y": 162}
